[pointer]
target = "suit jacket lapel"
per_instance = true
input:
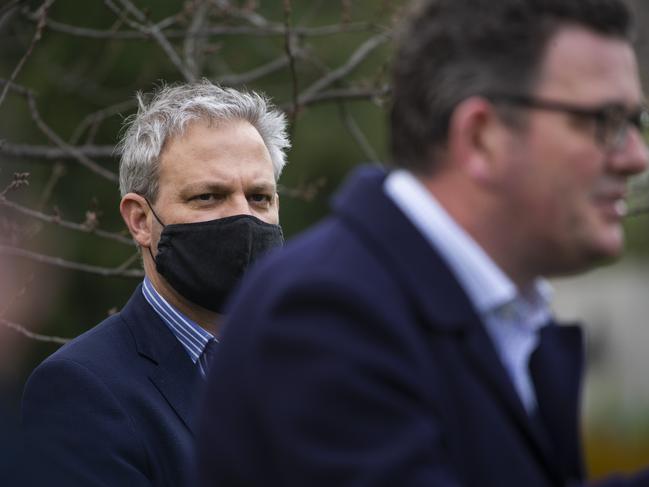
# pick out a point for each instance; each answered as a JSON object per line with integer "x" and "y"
{"x": 363, "y": 205}
{"x": 481, "y": 354}
{"x": 556, "y": 369}
{"x": 173, "y": 373}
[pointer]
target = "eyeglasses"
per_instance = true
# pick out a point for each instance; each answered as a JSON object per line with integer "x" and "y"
{"x": 611, "y": 121}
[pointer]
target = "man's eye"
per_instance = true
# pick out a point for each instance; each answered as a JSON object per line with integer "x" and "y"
{"x": 204, "y": 197}
{"x": 261, "y": 198}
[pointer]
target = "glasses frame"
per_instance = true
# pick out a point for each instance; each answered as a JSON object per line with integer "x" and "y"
{"x": 612, "y": 120}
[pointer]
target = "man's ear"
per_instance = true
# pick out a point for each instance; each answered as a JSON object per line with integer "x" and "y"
{"x": 135, "y": 212}
{"x": 476, "y": 139}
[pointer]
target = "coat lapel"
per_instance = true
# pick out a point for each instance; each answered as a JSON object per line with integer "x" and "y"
{"x": 481, "y": 354}
{"x": 556, "y": 368}
{"x": 363, "y": 205}
{"x": 172, "y": 372}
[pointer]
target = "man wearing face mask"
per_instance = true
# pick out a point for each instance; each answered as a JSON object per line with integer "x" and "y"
{"x": 198, "y": 180}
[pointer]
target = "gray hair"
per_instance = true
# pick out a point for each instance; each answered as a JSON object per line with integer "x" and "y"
{"x": 168, "y": 113}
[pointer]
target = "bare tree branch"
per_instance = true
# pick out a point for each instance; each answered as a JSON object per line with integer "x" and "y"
{"x": 42, "y": 14}
{"x": 50, "y": 152}
{"x": 19, "y": 180}
{"x": 71, "y": 150}
{"x": 22, "y": 90}
{"x": 8, "y": 8}
{"x": 122, "y": 16}
{"x": 274, "y": 29}
{"x": 358, "y": 134}
{"x": 191, "y": 49}
{"x": 157, "y": 34}
{"x": 251, "y": 17}
{"x": 256, "y": 73}
{"x": 34, "y": 336}
{"x": 288, "y": 47}
{"x": 337, "y": 74}
{"x": 95, "y": 118}
{"x": 57, "y": 220}
{"x": 349, "y": 94}
{"x": 66, "y": 264}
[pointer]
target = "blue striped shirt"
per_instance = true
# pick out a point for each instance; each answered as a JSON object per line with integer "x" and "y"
{"x": 191, "y": 336}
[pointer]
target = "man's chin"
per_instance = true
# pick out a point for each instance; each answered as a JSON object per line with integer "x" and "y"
{"x": 609, "y": 245}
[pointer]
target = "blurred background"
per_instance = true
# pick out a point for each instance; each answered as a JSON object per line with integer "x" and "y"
{"x": 68, "y": 74}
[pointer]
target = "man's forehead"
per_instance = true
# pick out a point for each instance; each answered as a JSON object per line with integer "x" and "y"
{"x": 226, "y": 154}
{"x": 586, "y": 66}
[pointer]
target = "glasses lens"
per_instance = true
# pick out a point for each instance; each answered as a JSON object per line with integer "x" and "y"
{"x": 613, "y": 127}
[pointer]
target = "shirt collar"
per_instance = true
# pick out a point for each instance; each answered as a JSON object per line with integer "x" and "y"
{"x": 488, "y": 287}
{"x": 190, "y": 334}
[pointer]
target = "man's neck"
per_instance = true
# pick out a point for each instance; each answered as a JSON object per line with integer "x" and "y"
{"x": 475, "y": 217}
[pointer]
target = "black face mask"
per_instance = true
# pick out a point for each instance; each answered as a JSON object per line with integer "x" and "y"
{"x": 203, "y": 261}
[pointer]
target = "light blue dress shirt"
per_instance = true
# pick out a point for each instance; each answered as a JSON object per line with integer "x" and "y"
{"x": 512, "y": 317}
{"x": 191, "y": 336}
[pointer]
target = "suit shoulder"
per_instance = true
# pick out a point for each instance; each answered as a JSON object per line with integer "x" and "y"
{"x": 100, "y": 346}
{"x": 331, "y": 252}
{"x": 327, "y": 268}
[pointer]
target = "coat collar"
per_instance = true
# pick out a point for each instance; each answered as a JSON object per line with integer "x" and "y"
{"x": 362, "y": 204}
{"x": 173, "y": 373}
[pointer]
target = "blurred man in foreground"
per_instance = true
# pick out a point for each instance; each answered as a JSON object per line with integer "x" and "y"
{"x": 408, "y": 339}
{"x": 115, "y": 407}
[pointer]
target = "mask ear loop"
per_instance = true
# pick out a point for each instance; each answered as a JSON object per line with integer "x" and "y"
{"x": 159, "y": 221}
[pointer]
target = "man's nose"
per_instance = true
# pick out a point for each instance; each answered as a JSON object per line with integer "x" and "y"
{"x": 633, "y": 156}
{"x": 240, "y": 205}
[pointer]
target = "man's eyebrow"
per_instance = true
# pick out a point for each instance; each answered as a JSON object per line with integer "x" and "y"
{"x": 206, "y": 187}
{"x": 262, "y": 187}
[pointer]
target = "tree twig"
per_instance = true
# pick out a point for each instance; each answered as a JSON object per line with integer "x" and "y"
{"x": 67, "y": 264}
{"x": 344, "y": 94}
{"x": 358, "y": 135}
{"x": 190, "y": 47}
{"x": 157, "y": 34}
{"x": 34, "y": 336}
{"x": 71, "y": 150}
{"x": 7, "y": 8}
{"x": 94, "y": 118}
{"x": 288, "y": 48}
{"x": 40, "y": 25}
{"x": 56, "y": 220}
{"x": 357, "y": 57}
{"x": 269, "y": 30}
{"x": 255, "y": 73}
{"x": 22, "y": 90}
{"x": 50, "y": 152}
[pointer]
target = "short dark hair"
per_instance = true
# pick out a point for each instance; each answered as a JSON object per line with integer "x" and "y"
{"x": 450, "y": 50}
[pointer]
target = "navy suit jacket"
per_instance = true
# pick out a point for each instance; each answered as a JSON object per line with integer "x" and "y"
{"x": 114, "y": 407}
{"x": 353, "y": 357}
